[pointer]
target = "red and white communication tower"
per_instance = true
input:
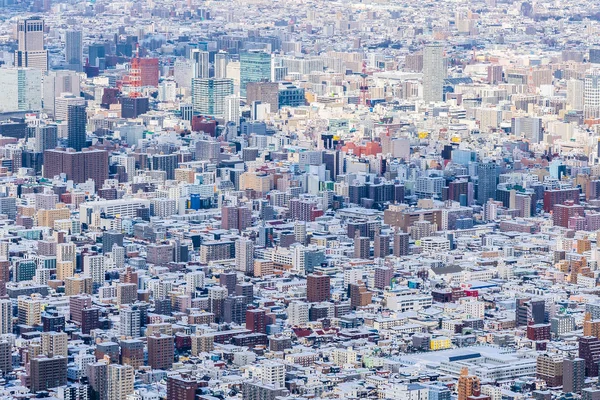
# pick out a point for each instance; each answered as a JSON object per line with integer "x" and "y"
{"x": 364, "y": 88}
{"x": 135, "y": 74}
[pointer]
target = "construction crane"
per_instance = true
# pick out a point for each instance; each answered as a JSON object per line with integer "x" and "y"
{"x": 364, "y": 88}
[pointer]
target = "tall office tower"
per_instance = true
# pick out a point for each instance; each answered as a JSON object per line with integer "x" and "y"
{"x": 111, "y": 238}
{"x": 221, "y": 65}
{"x": 6, "y": 323}
{"x": 255, "y": 66}
{"x": 29, "y": 311}
{"x": 591, "y": 95}
{"x": 433, "y": 72}
{"x": 74, "y": 50}
{"x": 244, "y": 255}
{"x": 47, "y": 372}
{"x": 54, "y": 344}
{"x": 31, "y": 52}
{"x": 401, "y": 244}
{"x": 20, "y": 89}
{"x": 576, "y": 94}
{"x": 120, "y": 381}
{"x": 201, "y": 60}
{"x": 232, "y": 109}
{"x": 208, "y": 95}
{"x": 488, "y": 181}
{"x": 468, "y": 385}
{"x": 573, "y": 375}
{"x": 263, "y": 93}
{"x": 45, "y": 137}
{"x": 160, "y": 351}
{"x": 318, "y": 288}
{"x": 130, "y": 322}
{"x": 181, "y": 387}
{"x": 76, "y": 126}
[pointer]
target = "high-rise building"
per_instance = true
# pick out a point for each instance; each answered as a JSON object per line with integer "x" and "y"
{"x": 31, "y": 52}
{"x": 45, "y": 137}
{"x": 54, "y": 344}
{"x": 111, "y": 238}
{"x": 20, "y": 89}
{"x": 362, "y": 247}
{"x": 201, "y": 61}
{"x": 47, "y": 372}
{"x": 589, "y": 351}
{"x": 6, "y": 323}
{"x": 550, "y": 369}
{"x": 208, "y": 95}
{"x": 255, "y": 66}
{"x": 244, "y": 255}
{"x": 97, "y": 374}
{"x": 130, "y": 321}
{"x": 74, "y": 50}
{"x": 232, "y": 109}
{"x": 591, "y": 95}
{"x": 132, "y": 352}
{"x": 468, "y": 385}
{"x": 573, "y": 375}
{"x": 29, "y": 311}
{"x": 77, "y": 118}
{"x": 318, "y": 288}
{"x": 487, "y": 173}
{"x": 78, "y": 166}
{"x": 221, "y": 62}
{"x": 181, "y": 387}
{"x": 433, "y": 72}
{"x": 120, "y": 381}
{"x": 256, "y": 320}
{"x": 298, "y": 313}
{"x": 160, "y": 351}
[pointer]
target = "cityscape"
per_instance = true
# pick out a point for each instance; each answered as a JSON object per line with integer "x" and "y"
{"x": 299, "y": 200}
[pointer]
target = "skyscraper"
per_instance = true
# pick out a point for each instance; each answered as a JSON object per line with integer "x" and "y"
{"x": 201, "y": 64}
{"x": 74, "y": 50}
{"x": 31, "y": 52}
{"x": 76, "y": 126}
{"x": 488, "y": 181}
{"x": 433, "y": 72}
{"x": 20, "y": 89}
{"x": 255, "y": 66}
{"x": 208, "y": 95}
